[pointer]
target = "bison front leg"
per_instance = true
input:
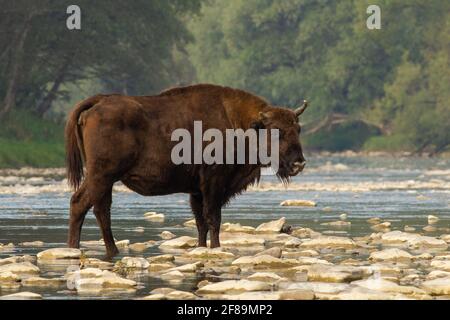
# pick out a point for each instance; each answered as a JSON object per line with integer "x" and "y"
{"x": 196, "y": 201}
{"x": 212, "y": 213}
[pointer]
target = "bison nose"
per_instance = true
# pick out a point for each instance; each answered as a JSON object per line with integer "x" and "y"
{"x": 301, "y": 165}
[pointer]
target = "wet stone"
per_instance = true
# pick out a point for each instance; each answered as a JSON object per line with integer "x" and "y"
{"x": 298, "y": 203}
{"x": 59, "y": 253}
{"x": 234, "y": 286}
{"x": 180, "y": 242}
{"x": 264, "y": 261}
{"x": 272, "y": 226}
{"x": 22, "y": 296}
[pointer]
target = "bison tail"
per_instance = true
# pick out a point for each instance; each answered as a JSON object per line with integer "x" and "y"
{"x": 74, "y": 143}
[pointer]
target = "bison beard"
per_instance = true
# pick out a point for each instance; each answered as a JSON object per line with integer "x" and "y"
{"x": 128, "y": 139}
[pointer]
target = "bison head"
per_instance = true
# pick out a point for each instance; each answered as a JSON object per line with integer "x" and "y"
{"x": 291, "y": 159}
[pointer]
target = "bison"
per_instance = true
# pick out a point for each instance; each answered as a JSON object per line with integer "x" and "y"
{"x": 128, "y": 139}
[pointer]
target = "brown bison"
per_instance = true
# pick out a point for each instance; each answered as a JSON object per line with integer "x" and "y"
{"x": 128, "y": 139}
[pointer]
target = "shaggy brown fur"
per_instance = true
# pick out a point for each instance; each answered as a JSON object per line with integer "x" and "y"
{"x": 128, "y": 139}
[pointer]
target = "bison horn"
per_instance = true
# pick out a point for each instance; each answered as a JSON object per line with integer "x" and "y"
{"x": 300, "y": 110}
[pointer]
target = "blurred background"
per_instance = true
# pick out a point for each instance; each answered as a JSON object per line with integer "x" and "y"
{"x": 370, "y": 90}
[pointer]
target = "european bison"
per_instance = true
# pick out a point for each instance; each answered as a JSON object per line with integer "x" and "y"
{"x": 128, "y": 139}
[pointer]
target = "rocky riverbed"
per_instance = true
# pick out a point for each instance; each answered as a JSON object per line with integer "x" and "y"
{"x": 253, "y": 263}
{"x": 355, "y": 228}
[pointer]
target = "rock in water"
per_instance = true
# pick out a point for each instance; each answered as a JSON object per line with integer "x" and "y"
{"x": 432, "y": 219}
{"x": 207, "y": 253}
{"x": 332, "y": 273}
{"x": 154, "y": 216}
{"x": 234, "y": 286}
{"x": 32, "y": 244}
{"x": 272, "y": 226}
{"x": 59, "y": 253}
{"x": 236, "y": 227}
{"x": 161, "y": 258}
{"x": 24, "y": 268}
{"x": 264, "y": 261}
{"x": 298, "y": 203}
{"x": 167, "y": 235}
{"x": 391, "y": 254}
{"x": 324, "y": 242}
{"x": 22, "y": 296}
{"x": 43, "y": 282}
{"x": 135, "y": 262}
{"x": 440, "y": 286}
{"x": 274, "y": 252}
{"x": 190, "y": 223}
{"x": 180, "y": 242}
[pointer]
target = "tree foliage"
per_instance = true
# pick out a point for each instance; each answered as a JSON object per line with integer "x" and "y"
{"x": 396, "y": 78}
{"x": 128, "y": 45}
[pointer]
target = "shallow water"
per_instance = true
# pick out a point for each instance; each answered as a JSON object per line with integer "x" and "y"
{"x": 34, "y": 205}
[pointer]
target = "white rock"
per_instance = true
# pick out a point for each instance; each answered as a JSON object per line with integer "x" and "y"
{"x": 173, "y": 275}
{"x": 274, "y": 252}
{"x": 138, "y": 246}
{"x": 328, "y": 241}
{"x": 316, "y": 287}
{"x": 312, "y": 260}
{"x": 191, "y": 267}
{"x": 343, "y": 216}
{"x": 439, "y": 286}
{"x": 190, "y": 223}
{"x": 59, "y": 253}
{"x": 91, "y": 279}
{"x": 339, "y": 223}
{"x": 23, "y": 268}
{"x": 272, "y": 226}
{"x": 388, "y": 286}
{"x": 180, "y": 242}
{"x": 413, "y": 240}
{"x": 167, "y": 235}
{"x": 264, "y": 261}
{"x": 8, "y": 276}
{"x": 432, "y": 219}
{"x": 390, "y": 254}
{"x": 32, "y": 244}
{"x": 332, "y": 273}
{"x": 266, "y": 277}
{"x": 17, "y": 259}
{"x": 361, "y": 293}
{"x": 180, "y": 295}
{"x": 43, "y": 282}
{"x": 154, "y": 216}
{"x": 441, "y": 264}
{"x": 135, "y": 262}
{"x": 22, "y": 296}
{"x": 207, "y": 253}
{"x": 438, "y": 274}
{"x": 161, "y": 258}
{"x": 244, "y": 240}
{"x": 139, "y": 229}
{"x": 236, "y": 227}
{"x": 298, "y": 203}
{"x": 234, "y": 286}
{"x": 158, "y": 267}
